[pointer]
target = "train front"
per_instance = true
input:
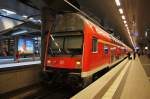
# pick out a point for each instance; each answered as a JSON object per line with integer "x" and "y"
{"x": 65, "y": 48}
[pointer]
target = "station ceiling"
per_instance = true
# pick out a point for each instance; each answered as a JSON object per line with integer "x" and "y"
{"x": 14, "y": 17}
{"x": 136, "y": 13}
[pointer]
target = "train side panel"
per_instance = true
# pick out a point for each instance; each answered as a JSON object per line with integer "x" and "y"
{"x": 94, "y": 59}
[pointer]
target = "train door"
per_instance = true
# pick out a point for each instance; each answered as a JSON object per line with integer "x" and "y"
{"x": 112, "y": 54}
{"x": 106, "y": 54}
{"x": 94, "y": 55}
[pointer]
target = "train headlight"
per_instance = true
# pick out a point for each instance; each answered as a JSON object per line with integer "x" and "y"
{"x": 49, "y": 62}
{"x": 78, "y": 63}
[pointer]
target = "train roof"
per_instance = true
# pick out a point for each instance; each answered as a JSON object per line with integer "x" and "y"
{"x": 68, "y": 22}
{"x": 101, "y": 30}
{"x": 75, "y": 21}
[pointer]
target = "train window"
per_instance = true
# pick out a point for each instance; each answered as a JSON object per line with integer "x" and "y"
{"x": 105, "y": 49}
{"x": 94, "y": 45}
{"x": 66, "y": 44}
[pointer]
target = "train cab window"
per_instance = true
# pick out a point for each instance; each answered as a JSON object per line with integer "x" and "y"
{"x": 94, "y": 45}
{"x": 106, "y": 49}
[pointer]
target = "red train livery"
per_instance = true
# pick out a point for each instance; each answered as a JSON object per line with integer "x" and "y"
{"x": 78, "y": 48}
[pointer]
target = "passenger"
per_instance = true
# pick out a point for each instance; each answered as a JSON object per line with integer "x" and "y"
{"x": 17, "y": 57}
{"x": 5, "y": 53}
{"x": 139, "y": 53}
{"x": 129, "y": 55}
{"x": 134, "y": 55}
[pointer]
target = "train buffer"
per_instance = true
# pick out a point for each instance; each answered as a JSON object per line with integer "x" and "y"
{"x": 127, "y": 80}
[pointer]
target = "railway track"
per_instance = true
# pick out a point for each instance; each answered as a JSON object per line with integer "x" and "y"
{"x": 53, "y": 92}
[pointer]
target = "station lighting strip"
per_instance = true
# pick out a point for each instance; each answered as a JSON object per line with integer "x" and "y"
{"x": 124, "y": 20}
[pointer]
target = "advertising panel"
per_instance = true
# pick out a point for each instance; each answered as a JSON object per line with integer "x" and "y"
{"x": 25, "y": 46}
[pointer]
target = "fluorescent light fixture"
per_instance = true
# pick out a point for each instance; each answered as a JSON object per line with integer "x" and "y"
{"x": 145, "y": 34}
{"x": 126, "y": 25}
{"x": 125, "y": 22}
{"x": 34, "y": 20}
{"x": 39, "y": 21}
{"x": 127, "y": 28}
{"x": 8, "y": 11}
{"x": 121, "y": 10}
{"x": 31, "y": 18}
{"x": 25, "y": 16}
{"x": 123, "y": 17}
{"x": 20, "y": 32}
{"x": 117, "y": 2}
{"x": 146, "y": 47}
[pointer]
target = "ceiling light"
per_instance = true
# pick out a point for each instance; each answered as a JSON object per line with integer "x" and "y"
{"x": 121, "y": 11}
{"x": 117, "y": 2}
{"x": 126, "y": 25}
{"x": 146, "y": 47}
{"x": 123, "y": 17}
{"x": 145, "y": 34}
{"x": 31, "y": 18}
{"x": 20, "y": 32}
{"x": 127, "y": 28}
{"x": 25, "y": 16}
{"x": 125, "y": 22}
{"x": 39, "y": 21}
{"x": 8, "y": 11}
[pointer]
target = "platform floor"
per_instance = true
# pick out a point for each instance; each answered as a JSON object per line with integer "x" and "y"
{"x": 11, "y": 60}
{"x": 131, "y": 83}
{"x": 3, "y": 66}
{"x": 137, "y": 85}
{"x": 146, "y": 65}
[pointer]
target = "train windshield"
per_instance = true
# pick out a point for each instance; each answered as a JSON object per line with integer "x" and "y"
{"x": 65, "y": 44}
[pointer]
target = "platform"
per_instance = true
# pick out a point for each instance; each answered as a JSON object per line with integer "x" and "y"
{"x": 9, "y": 60}
{"x": 136, "y": 85}
{"x": 146, "y": 65}
{"x": 129, "y": 82}
{"x": 15, "y": 76}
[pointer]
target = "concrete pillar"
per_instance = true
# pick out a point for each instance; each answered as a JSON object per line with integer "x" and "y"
{"x": 9, "y": 47}
{"x": 15, "y": 46}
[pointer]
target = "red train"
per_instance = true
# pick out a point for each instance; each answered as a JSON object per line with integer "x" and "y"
{"x": 78, "y": 49}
